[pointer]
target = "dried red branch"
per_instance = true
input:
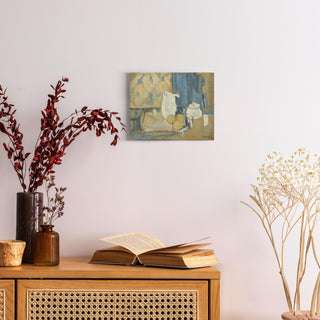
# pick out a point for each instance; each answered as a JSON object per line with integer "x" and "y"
{"x": 9, "y": 126}
{"x": 55, "y": 135}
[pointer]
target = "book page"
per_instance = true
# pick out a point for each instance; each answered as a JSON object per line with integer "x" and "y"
{"x": 136, "y": 242}
{"x": 184, "y": 245}
{"x": 180, "y": 249}
{"x": 115, "y": 248}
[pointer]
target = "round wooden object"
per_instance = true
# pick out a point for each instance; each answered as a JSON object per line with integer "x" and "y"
{"x": 11, "y": 252}
{"x": 299, "y": 315}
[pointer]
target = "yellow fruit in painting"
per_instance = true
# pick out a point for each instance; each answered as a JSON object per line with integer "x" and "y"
{"x": 180, "y": 117}
{"x": 171, "y": 118}
{"x": 177, "y": 125}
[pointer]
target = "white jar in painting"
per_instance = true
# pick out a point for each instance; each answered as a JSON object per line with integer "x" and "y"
{"x": 168, "y": 105}
{"x": 193, "y": 112}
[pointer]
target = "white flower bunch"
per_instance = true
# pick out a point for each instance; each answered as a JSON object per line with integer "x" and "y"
{"x": 288, "y": 191}
{"x": 298, "y": 174}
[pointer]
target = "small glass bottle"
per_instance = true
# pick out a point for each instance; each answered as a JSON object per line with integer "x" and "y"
{"x": 46, "y": 251}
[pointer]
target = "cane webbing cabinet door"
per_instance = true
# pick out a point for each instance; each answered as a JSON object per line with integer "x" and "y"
{"x": 77, "y": 290}
{"x": 6, "y": 299}
{"x": 112, "y": 299}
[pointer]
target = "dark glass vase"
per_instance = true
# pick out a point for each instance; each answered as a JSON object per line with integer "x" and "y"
{"x": 29, "y": 219}
{"x": 46, "y": 251}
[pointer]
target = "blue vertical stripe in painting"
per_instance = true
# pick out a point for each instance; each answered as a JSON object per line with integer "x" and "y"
{"x": 179, "y": 85}
{"x": 189, "y": 88}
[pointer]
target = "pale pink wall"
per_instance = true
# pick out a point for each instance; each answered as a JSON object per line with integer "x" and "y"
{"x": 265, "y": 55}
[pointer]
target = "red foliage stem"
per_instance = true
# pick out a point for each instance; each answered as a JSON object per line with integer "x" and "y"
{"x": 56, "y": 136}
{"x": 8, "y": 126}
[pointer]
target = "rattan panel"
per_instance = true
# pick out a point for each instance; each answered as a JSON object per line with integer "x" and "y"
{"x": 112, "y": 305}
{"x": 2, "y": 295}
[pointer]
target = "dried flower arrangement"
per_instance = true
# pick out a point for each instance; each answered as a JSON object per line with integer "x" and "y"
{"x": 54, "y": 137}
{"x": 287, "y": 196}
{"x": 55, "y": 204}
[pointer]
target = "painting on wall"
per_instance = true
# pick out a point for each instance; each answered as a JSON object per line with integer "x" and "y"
{"x": 171, "y": 106}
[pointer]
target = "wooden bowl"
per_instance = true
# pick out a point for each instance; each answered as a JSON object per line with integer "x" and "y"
{"x": 11, "y": 252}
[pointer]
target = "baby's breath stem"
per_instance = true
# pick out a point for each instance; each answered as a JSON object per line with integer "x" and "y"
{"x": 287, "y": 187}
{"x": 55, "y": 205}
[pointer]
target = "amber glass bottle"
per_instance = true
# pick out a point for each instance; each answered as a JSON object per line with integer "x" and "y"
{"x": 46, "y": 251}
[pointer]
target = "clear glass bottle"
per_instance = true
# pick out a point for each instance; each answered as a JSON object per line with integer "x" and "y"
{"x": 46, "y": 251}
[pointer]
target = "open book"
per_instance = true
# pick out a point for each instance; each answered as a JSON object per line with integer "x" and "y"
{"x": 139, "y": 248}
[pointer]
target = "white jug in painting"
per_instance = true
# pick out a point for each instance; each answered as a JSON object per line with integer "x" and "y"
{"x": 193, "y": 112}
{"x": 168, "y": 105}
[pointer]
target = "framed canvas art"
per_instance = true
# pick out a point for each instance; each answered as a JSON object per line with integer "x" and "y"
{"x": 171, "y": 106}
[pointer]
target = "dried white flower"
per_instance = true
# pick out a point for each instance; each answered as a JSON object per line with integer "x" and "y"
{"x": 288, "y": 192}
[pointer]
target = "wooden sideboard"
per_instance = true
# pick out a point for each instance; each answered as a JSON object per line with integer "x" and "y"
{"x": 77, "y": 290}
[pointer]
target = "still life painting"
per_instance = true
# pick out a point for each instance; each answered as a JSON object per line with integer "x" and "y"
{"x": 171, "y": 106}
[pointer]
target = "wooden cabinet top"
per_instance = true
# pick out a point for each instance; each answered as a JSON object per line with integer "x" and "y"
{"x": 74, "y": 268}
